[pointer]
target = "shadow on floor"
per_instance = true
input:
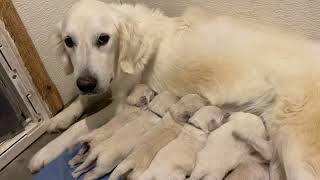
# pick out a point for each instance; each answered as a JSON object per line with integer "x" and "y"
{"x": 18, "y": 168}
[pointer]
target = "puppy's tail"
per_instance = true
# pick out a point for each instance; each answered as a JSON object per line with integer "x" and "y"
{"x": 124, "y": 167}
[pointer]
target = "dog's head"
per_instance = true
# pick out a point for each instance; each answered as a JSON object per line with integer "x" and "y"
{"x": 208, "y": 118}
{"x": 96, "y": 41}
{"x": 184, "y": 109}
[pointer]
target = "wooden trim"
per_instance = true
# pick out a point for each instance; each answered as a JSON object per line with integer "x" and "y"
{"x": 30, "y": 56}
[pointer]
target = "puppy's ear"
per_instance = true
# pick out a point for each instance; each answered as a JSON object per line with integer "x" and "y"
{"x": 199, "y": 124}
{"x": 57, "y": 43}
{"x": 134, "y": 50}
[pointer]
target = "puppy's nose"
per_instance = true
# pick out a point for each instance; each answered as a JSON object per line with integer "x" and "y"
{"x": 86, "y": 83}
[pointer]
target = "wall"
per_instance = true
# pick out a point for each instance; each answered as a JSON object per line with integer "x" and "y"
{"x": 302, "y": 16}
{"x": 39, "y": 16}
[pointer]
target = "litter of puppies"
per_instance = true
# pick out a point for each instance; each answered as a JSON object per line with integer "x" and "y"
{"x": 162, "y": 137}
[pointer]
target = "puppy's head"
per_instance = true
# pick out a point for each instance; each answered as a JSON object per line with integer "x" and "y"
{"x": 140, "y": 96}
{"x": 208, "y": 118}
{"x": 95, "y": 42}
{"x": 162, "y": 102}
{"x": 184, "y": 109}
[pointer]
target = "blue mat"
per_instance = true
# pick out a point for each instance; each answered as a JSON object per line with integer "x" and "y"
{"x": 59, "y": 168}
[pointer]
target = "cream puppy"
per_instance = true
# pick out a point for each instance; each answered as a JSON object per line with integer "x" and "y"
{"x": 177, "y": 160}
{"x": 136, "y": 102}
{"x": 223, "y": 152}
{"x": 110, "y": 152}
{"x": 251, "y": 169}
{"x": 254, "y": 168}
{"x": 159, "y": 136}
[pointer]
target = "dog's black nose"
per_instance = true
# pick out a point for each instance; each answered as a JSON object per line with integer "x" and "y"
{"x": 86, "y": 84}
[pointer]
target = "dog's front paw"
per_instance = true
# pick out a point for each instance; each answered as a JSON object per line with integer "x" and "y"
{"x": 39, "y": 160}
{"x": 60, "y": 122}
{"x": 80, "y": 157}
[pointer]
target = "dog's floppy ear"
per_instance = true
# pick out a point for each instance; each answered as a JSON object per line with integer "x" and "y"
{"x": 134, "y": 50}
{"x": 57, "y": 42}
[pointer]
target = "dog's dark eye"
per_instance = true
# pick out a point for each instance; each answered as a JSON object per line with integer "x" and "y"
{"x": 69, "y": 42}
{"x": 103, "y": 39}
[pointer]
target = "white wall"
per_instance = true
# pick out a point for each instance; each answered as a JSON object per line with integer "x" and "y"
{"x": 302, "y": 16}
{"x": 39, "y": 17}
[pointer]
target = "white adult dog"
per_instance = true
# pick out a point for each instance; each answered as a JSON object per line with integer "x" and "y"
{"x": 226, "y": 61}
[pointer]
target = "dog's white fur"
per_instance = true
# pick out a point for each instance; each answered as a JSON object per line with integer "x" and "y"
{"x": 111, "y": 151}
{"x": 255, "y": 166}
{"x": 223, "y": 152}
{"x": 177, "y": 160}
{"x": 137, "y": 101}
{"x": 225, "y": 60}
{"x": 130, "y": 112}
{"x": 68, "y": 139}
{"x": 251, "y": 169}
{"x": 159, "y": 136}
{"x": 250, "y": 166}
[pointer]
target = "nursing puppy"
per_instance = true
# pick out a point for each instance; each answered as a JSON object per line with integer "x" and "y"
{"x": 177, "y": 160}
{"x": 115, "y": 46}
{"x": 111, "y": 151}
{"x": 136, "y": 103}
{"x": 159, "y": 136}
{"x": 223, "y": 152}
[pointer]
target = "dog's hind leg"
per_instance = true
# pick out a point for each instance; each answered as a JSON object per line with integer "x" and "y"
{"x": 298, "y": 162}
{"x": 69, "y": 138}
{"x": 295, "y": 131}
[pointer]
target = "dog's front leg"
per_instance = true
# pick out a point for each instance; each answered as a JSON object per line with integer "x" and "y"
{"x": 69, "y": 138}
{"x": 71, "y": 114}
{"x": 68, "y": 116}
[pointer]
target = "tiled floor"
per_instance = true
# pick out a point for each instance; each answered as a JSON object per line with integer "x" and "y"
{"x": 17, "y": 169}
